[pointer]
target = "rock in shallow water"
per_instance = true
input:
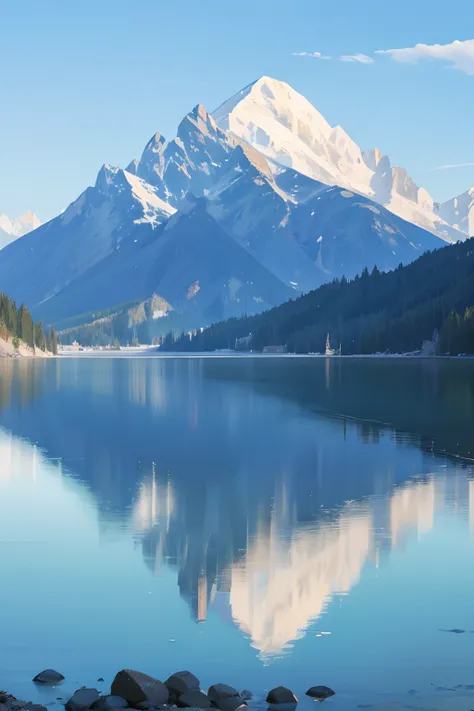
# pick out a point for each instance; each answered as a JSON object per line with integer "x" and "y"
{"x": 218, "y": 692}
{"x": 194, "y": 699}
{"x": 107, "y": 703}
{"x": 320, "y": 692}
{"x": 136, "y": 687}
{"x": 181, "y": 682}
{"x": 82, "y": 700}
{"x": 282, "y": 697}
{"x": 48, "y": 676}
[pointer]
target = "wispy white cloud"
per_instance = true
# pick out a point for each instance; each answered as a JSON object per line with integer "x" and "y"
{"x": 360, "y": 58}
{"x": 459, "y": 54}
{"x": 454, "y": 165}
{"x": 314, "y": 55}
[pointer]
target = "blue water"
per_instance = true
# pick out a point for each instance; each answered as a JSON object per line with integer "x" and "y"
{"x": 258, "y": 521}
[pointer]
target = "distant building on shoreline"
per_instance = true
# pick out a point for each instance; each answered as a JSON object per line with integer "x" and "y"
{"x": 275, "y": 349}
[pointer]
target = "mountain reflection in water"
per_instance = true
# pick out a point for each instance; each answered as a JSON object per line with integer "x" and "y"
{"x": 285, "y": 574}
{"x": 223, "y": 483}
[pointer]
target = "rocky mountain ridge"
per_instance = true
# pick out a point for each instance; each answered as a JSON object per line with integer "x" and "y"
{"x": 225, "y": 219}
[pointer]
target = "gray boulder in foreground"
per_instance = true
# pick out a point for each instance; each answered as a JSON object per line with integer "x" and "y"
{"x": 82, "y": 700}
{"x": 181, "y": 682}
{"x": 136, "y": 687}
{"x": 107, "y": 703}
{"x": 48, "y": 676}
{"x": 320, "y": 692}
{"x": 194, "y": 698}
{"x": 9, "y": 703}
{"x": 282, "y": 697}
{"x": 217, "y": 692}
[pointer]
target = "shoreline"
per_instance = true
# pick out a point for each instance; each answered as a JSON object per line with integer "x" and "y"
{"x": 153, "y": 352}
{"x": 8, "y": 350}
{"x": 129, "y": 686}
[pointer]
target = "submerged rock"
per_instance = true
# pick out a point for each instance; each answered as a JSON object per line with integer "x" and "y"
{"x": 107, "y": 703}
{"x": 194, "y": 698}
{"x": 136, "y": 687}
{"x": 82, "y": 699}
{"x": 246, "y": 695}
{"x": 320, "y": 692}
{"x": 48, "y": 676}
{"x": 181, "y": 682}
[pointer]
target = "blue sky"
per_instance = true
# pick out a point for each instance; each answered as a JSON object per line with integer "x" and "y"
{"x": 84, "y": 82}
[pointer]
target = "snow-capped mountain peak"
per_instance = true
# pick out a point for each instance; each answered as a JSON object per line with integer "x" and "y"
{"x": 241, "y": 210}
{"x": 285, "y": 127}
{"x": 275, "y": 99}
{"x": 19, "y": 226}
{"x": 459, "y": 211}
{"x": 197, "y": 120}
{"x": 372, "y": 158}
{"x": 12, "y": 229}
{"x": 142, "y": 198}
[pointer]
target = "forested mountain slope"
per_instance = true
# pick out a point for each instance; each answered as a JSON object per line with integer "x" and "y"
{"x": 377, "y": 312}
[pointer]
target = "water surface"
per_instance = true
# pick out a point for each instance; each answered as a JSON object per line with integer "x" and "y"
{"x": 260, "y": 521}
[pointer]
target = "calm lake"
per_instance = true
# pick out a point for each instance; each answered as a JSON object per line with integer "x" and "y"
{"x": 260, "y": 521}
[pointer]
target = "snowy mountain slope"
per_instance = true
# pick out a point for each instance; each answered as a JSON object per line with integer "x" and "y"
{"x": 309, "y": 233}
{"x": 251, "y": 199}
{"x": 459, "y": 212}
{"x": 329, "y": 227}
{"x": 11, "y": 229}
{"x": 286, "y": 128}
{"x": 190, "y": 262}
{"x": 46, "y": 260}
{"x": 195, "y": 160}
{"x": 210, "y": 261}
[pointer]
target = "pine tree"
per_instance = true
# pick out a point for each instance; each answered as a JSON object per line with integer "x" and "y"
{"x": 25, "y": 326}
{"x": 52, "y": 342}
{"x": 40, "y": 339}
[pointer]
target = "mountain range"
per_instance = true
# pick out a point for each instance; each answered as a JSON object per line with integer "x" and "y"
{"x": 11, "y": 229}
{"x": 261, "y": 201}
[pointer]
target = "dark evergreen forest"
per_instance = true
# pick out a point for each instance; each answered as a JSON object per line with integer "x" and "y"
{"x": 431, "y": 300}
